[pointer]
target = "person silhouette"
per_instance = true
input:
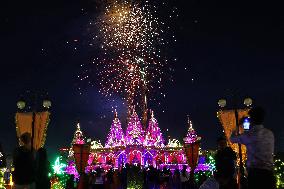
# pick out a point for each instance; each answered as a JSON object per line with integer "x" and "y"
{"x": 260, "y": 148}
{"x": 24, "y": 164}
{"x": 225, "y": 159}
{"x": 42, "y": 170}
{"x": 184, "y": 177}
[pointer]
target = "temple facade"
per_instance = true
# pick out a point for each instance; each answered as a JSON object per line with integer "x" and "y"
{"x": 139, "y": 146}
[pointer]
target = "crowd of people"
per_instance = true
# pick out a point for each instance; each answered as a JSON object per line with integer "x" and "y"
{"x": 135, "y": 176}
{"x": 152, "y": 178}
{"x": 31, "y": 169}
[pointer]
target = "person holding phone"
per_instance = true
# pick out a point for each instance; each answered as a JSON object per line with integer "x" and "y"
{"x": 260, "y": 148}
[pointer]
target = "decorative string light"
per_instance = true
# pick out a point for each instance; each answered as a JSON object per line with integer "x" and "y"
{"x": 279, "y": 173}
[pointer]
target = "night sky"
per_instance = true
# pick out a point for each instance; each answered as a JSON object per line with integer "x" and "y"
{"x": 222, "y": 46}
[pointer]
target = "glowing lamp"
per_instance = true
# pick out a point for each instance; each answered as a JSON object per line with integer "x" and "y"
{"x": 46, "y": 104}
{"x": 248, "y": 101}
{"x": 222, "y": 103}
{"x": 21, "y": 104}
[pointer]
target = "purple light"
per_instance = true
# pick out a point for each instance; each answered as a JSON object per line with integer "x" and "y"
{"x": 71, "y": 169}
{"x": 202, "y": 167}
{"x": 202, "y": 160}
{"x": 122, "y": 159}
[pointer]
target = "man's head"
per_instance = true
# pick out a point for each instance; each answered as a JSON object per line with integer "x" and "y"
{"x": 256, "y": 115}
{"x": 222, "y": 142}
{"x": 26, "y": 139}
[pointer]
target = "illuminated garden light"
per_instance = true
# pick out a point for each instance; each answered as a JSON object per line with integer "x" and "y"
{"x": 174, "y": 143}
{"x": 58, "y": 167}
{"x": 278, "y": 172}
{"x": 96, "y": 145}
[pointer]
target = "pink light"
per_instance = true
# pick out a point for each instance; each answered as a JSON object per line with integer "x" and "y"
{"x": 115, "y": 136}
{"x": 71, "y": 170}
{"x": 80, "y": 141}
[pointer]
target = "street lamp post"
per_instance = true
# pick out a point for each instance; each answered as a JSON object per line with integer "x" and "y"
{"x": 81, "y": 154}
{"x": 21, "y": 104}
{"x": 248, "y": 102}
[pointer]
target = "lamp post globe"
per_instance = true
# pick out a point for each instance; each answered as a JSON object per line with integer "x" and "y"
{"x": 222, "y": 103}
{"x": 21, "y": 104}
{"x": 248, "y": 101}
{"x": 46, "y": 104}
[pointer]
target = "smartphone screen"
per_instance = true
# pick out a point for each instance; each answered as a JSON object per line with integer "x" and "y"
{"x": 246, "y": 124}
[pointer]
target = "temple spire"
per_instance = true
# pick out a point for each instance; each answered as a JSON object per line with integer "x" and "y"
{"x": 115, "y": 114}
{"x": 78, "y": 127}
{"x": 134, "y": 131}
{"x": 153, "y": 134}
{"x": 152, "y": 114}
{"x": 78, "y": 135}
{"x": 191, "y": 135}
{"x": 115, "y": 135}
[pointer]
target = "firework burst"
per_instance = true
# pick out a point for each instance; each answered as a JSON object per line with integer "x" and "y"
{"x": 132, "y": 39}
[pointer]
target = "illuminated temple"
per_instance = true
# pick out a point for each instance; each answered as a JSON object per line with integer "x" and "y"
{"x": 138, "y": 146}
